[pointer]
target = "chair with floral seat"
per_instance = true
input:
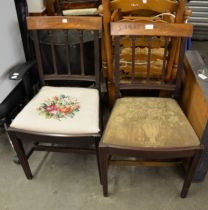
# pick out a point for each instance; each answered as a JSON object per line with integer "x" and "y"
{"x": 154, "y": 130}
{"x": 65, "y": 112}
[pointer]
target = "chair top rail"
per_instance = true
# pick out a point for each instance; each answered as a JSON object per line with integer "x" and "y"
{"x": 66, "y": 77}
{"x": 151, "y": 29}
{"x": 159, "y": 6}
{"x": 78, "y": 4}
{"x": 64, "y": 22}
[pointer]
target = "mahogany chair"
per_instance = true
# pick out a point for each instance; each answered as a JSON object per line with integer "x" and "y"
{"x": 65, "y": 112}
{"x": 152, "y": 129}
{"x": 79, "y": 7}
{"x": 151, "y": 10}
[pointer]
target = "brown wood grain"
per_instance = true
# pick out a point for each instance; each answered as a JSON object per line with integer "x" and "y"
{"x": 154, "y": 5}
{"x": 50, "y": 7}
{"x": 159, "y": 29}
{"x": 179, "y": 19}
{"x": 172, "y": 63}
{"x": 69, "y": 77}
{"x": 143, "y": 163}
{"x": 108, "y": 50}
{"x": 66, "y": 22}
{"x": 78, "y": 5}
{"x": 142, "y": 42}
{"x": 193, "y": 101}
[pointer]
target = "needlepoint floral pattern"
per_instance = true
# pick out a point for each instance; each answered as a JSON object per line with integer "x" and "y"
{"x": 59, "y": 107}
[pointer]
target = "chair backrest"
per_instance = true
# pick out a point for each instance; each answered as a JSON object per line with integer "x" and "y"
{"x": 159, "y": 6}
{"x": 58, "y": 31}
{"x": 145, "y": 8}
{"x": 136, "y": 30}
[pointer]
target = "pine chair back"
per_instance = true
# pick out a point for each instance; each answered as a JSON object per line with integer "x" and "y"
{"x": 151, "y": 5}
{"x": 143, "y": 11}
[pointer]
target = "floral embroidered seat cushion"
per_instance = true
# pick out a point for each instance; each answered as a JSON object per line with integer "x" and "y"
{"x": 61, "y": 110}
{"x": 149, "y": 122}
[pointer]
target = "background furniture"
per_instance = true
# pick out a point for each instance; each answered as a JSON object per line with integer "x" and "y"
{"x": 199, "y": 18}
{"x": 77, "y": 7}
{"x": 118, "y": 10}
{"x": 37, "y": 7}
{"x": 194, "y": 102}
{"x": 58, "y": 7}
{"x": 16, "y": 89}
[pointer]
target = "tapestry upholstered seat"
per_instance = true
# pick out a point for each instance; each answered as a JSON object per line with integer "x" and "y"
{"x": 149, "y": 122}
{"x": 63, "y": 110}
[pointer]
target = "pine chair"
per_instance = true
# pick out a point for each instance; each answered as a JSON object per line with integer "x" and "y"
{"x": 152, "y": 129}
{"x": 65, "y": 112}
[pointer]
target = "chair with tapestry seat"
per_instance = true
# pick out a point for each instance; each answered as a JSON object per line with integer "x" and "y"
{"x": 154, "y": 130}
{"x": 65, "y": 112}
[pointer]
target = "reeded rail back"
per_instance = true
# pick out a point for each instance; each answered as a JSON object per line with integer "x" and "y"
{"x": 65, "y": 24}
{"x": 136, "y": 30}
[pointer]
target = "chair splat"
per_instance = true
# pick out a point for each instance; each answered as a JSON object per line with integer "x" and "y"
{"x": 137, "y": 71}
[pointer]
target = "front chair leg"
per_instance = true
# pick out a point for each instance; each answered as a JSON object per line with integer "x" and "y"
{"x": 104, "y": 170}
{"x": 19, "y": 149}
{"x": 190, "y": 173}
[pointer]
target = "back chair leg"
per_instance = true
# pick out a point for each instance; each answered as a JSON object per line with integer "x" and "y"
{"x": 98, "y": 158}
{"x": 190, "y": 173}
{"x": 104, "y": 170}
{"x": 19, "y": 149}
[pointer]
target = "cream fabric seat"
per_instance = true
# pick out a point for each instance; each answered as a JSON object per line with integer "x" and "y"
{"x": 84, "y": 120}
{"x": 149, "y": 122}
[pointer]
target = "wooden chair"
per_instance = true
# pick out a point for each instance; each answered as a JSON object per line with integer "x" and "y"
{"x": 121, "y": 10}
{"x": 66, "y": 114}
{"x": 152, "y": 129}
{"x": 80, "y": 7}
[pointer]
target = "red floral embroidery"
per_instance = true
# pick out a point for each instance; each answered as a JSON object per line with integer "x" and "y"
{"x": 59, "y": 107}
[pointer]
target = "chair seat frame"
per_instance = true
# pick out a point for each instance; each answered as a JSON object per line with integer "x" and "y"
{"x": 161, "y": 154}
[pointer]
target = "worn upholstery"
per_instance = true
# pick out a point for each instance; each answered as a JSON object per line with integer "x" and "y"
{"x": 148, "y": 122}
{"x": 84, "y": 120}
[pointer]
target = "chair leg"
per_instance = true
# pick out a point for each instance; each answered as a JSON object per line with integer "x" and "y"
{"x": 190, "y": 173}
{"x": 98, "y": 158}
{"x": 19, "y": 149}
{"x": 104, "y": 170}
